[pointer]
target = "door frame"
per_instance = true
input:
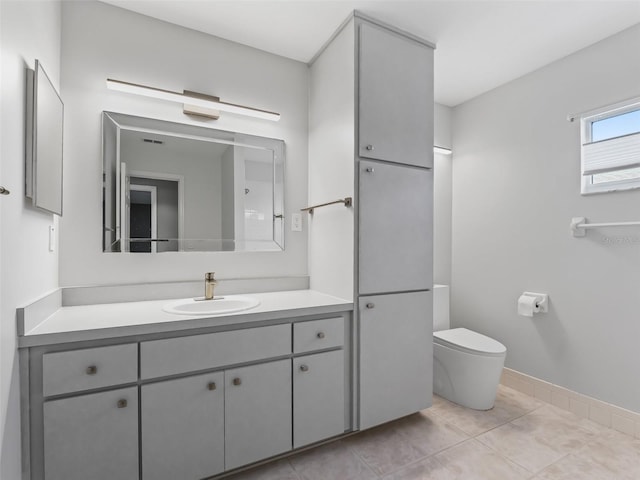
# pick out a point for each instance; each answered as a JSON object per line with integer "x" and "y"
{"x": 134, "y": 187}
{"x": 171, "y": 178}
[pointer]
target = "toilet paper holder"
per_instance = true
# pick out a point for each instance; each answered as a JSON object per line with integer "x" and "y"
{"x": 542, "y": 301}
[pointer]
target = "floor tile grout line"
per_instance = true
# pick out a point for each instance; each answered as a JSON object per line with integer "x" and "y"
{"x": 538, "y": 472}
{"x": 507, "y": 458}
{"x": 457, "y": 429}
{"x": 508, "y": 422}
{"x": 293, "y": 469}
{"x": 415, "y": 462}
{"x": 361, "y": 458}
{"x": 421, "y": 459}
{"x": 534, "y": 473}
{"x": 473, "y": 435}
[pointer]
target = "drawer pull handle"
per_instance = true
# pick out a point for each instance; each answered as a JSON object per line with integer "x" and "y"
{"x": 122, "y": 403}
{"x": 370, "y": 148}
{"x": 212, "y": 386}
{"x": 304, "y": 368}
{"x": 370, "y": 170}
{"x": 371, "y": 305}
{"x": 92, "y": 370}
{"x": 320, "y": 335}
{"x": 237, "y": 381}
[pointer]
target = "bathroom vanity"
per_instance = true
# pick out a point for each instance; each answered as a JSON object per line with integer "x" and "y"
{"x": 128, "y": 391}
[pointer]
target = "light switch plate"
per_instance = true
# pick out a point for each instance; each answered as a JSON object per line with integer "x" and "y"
{"x": 52, "y": 238}
{"x": 296, "y": 222}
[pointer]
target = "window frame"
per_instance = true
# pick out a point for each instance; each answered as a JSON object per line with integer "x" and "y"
{"x": 587, "y": 119}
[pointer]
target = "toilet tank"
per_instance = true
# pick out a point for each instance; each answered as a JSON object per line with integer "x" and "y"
{"x": 440, "y": 307}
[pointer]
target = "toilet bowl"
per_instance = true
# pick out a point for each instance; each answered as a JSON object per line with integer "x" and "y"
{"x": 467, "y": 365}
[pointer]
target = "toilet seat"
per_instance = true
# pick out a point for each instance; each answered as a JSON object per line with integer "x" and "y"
{"x": 468, "y": 341}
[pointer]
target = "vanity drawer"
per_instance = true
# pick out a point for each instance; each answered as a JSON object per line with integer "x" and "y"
{"x": 318, "y": 334}
{"x": 72, "y": 371}
{"x": 159, "y": 358}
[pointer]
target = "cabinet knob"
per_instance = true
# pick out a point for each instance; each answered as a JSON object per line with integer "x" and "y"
{"x": 371, "y": 305}
{"x": 237, "y": 381}
{"x": 369, "y": 147}
{"x": 320, "y": 335}
{"x": 122, "y": 403}
{"x": 212, "y": 386}
{"x": 92, "y": 370}
{"x": 304, "y": 368}
{"x": 370, "y": 170}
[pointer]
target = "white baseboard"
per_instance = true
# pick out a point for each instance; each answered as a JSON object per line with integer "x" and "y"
{"x": 606, "y": 414}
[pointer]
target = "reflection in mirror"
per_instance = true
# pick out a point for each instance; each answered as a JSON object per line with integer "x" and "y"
{"x": 171, "y": 187}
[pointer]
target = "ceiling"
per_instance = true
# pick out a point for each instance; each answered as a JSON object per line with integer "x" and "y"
{"x": 480, "y": 44}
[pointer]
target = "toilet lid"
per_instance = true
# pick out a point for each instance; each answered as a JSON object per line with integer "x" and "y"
{"x": 474, "y": 342}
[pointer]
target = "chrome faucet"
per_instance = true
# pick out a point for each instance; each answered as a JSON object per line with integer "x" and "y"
{"x": 209, "y": 284}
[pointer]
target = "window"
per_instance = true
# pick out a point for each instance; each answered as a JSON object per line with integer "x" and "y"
{"x": 611, "y": 148}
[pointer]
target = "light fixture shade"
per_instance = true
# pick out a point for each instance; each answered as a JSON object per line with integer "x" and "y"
{"x": 195, "y": 99}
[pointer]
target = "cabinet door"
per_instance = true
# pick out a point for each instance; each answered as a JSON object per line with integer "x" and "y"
{"x": 257, "y": 412}
{"x": 395, "y": 98}
{"x": 92, "y": 436}
{"x": 395, "y": 228}
{"x": 183, "y": 428}
{"x": 396, "y": 356}
{"x": 318, "y": 397}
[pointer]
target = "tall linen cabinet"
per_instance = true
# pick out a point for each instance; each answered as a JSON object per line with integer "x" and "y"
{"x": 371, "y": 138}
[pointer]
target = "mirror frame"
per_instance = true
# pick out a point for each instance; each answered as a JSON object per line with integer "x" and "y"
{"x": 44, "y": 142}
{"x": 122, "y": 121}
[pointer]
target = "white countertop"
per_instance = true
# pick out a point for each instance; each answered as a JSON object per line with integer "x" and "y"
{"x": 100, "y": 321}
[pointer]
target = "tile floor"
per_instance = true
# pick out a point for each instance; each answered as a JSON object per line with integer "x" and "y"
{"x": 520, "y": 438}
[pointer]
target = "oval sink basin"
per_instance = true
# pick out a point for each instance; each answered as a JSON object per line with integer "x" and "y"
{"x": 217, "y": 306}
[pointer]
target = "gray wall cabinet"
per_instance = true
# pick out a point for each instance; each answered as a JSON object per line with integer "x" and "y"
{"x": 318, "y": 397}
{"x": 92, "y": 436}
{"x": 395, "y": 97}
{"x": 371, "y": 122}
{"x": 182, "y": 427}
{"x": 395, "y": 225}
{"x": 396, "y": 336}
{"x": 258, "y": 412}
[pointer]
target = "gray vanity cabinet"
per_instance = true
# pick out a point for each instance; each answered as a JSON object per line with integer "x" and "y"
{"x": 257, "y": 412}
{"x": 92, "y": 436}
{"x": 396, "y": 351}
{"x": 185, "y": 404}
{"x": 395, "y": 224}
{"x": 182, "y": 427}
{"x": 395, "y": 97}
{"x": 318, "y": 397}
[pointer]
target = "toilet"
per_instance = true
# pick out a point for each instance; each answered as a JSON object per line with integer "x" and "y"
{"x": 466, "y": 365}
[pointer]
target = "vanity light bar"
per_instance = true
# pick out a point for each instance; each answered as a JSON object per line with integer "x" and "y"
{"x": 191, "y": 98}
{"x": 442, "y": 150}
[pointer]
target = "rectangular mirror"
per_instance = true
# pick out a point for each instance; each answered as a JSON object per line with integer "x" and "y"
{"x": 172, "y": 187}
{"x": 43, "y": 162}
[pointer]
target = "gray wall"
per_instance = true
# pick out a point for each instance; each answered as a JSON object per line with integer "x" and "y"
{"x": 201, "y": 172}
{"x": 100, "y": 41}
{"x": 28, "y": 31}
{"x": 331, "y": 169}
{"x": 442, "y": 196}
{"x": 516, "y": 185}
{"x": 227, "y": 198}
